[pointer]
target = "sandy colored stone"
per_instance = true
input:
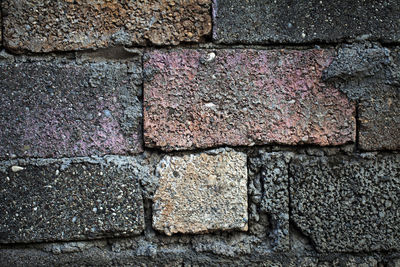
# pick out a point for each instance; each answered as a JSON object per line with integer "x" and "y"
{"x": 201, "y": 192}
{"x": 43, "y": 26}
{"x": 205, "y": 98}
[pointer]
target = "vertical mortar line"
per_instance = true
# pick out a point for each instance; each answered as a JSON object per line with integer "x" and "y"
{"x": 289, "y": 201}
{"x": 248, "y": 186}
{"x": 2, "y": 24}
{"x": 141, "y": 99}
{"x": 357, "y": 103}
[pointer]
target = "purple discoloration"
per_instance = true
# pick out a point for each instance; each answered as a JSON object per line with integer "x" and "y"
{"x": 62, "y": 110}
{"x": 243, "y": 97}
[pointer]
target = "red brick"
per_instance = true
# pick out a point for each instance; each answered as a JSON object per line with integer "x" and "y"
{"x": 242, "y": 97}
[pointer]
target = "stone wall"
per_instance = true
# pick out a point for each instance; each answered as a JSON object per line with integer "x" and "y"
{"x": 200, "y": 133}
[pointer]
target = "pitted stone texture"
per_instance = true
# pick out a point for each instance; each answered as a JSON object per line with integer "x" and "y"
{"x": 201, "y": 192}
{"x": 370, "y": 74}
{"x": 202, "y": 98}
{"x": 56, "y": 109}
{"x": 43, "y": 26}
{"x": 347, "y": 204}
{"x": 286, "y": 21}
{"x": 380, "y": 121}
{"x": 269, "y": 194}
{"x": 49, "y": 200}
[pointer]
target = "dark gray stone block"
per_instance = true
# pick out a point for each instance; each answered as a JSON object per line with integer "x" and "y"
{"x": 286, "y": 21}
{"x": 66, "y": 108}
{"x": 347, "y": 204}
{"x": 74, "y": 199}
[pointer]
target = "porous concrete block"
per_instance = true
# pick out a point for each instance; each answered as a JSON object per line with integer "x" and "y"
{"x": 201, "y": 192}
{"x": 69, "y": 199}
{"x": 205, "y": 98}
{"x": 43, "y": 26}
{"x": 305, "y": 21}
{"x": 347, "y": 203}
{"x": 64, "y": 108}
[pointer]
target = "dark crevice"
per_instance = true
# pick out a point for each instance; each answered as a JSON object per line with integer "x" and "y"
{"x": 357, "y": 127}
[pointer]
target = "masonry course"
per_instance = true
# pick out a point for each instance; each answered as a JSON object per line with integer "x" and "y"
{"x": 68, "y": 108}
{"x": 206, "y": 98}
{"x": 288, "y": 22}
{"x": 69, "y": 199}
{"x": 43, "y": 26}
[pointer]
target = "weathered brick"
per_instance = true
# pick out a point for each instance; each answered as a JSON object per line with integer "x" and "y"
{"x": 56, "y": 109}
{"x": 47, "y": 200}
{"x": 305, "y": 21}
{"x": 347, "y": 204}
{"x": 201, "y": 192}
{"x": 42, "y": 26}
{"x": 203, "y": 98}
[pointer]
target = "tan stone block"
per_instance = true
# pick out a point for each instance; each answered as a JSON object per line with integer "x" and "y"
{"x": 201, "y": 192}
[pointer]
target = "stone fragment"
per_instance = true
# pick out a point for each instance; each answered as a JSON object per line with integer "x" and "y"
{"x": 202, "y": 98}
{"x": 269, "y": 194}
{"x": 305, "y": 21}
{"x": 43, "y": 26}
{"x": 70, "y": 199}
{"x": 57, "y": 109}
{"x": 201, "y": 192}
{"x": 370, "y": 74}
{"x": 347, "y": 204}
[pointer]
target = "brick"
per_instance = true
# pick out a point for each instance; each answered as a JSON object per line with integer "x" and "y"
{"x": 347, "y": 204}
{"x": 63, "y": 109}
{"x": 69, "y": 199}
{"x": 286, "y": 21}
{"x": 43, "y": 26}
{"x": 204, "y": 98}
{"x": 201, "y": 192}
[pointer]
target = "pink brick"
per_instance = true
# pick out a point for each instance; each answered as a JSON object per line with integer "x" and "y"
{"x": 203, "y": 98}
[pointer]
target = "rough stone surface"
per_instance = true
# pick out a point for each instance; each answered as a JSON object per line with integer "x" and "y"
{"x": 69, "y": 199}
{"x": 204, "y": 98}
{"x": 370, "y": 74}
{"x": 43, "y": 26}
{"x": 380, "y": 121}
{"x": 269, "y": 194}
{"x": 67, "y": 108}
{"x": 286, "y": 21}
{"x": 201, "y": 192}
{"x": 347, "y": 204}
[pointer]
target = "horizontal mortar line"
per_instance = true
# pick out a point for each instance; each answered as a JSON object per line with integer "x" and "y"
{"x": 275, "y": 147}
{"x": 206, "y": 45}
